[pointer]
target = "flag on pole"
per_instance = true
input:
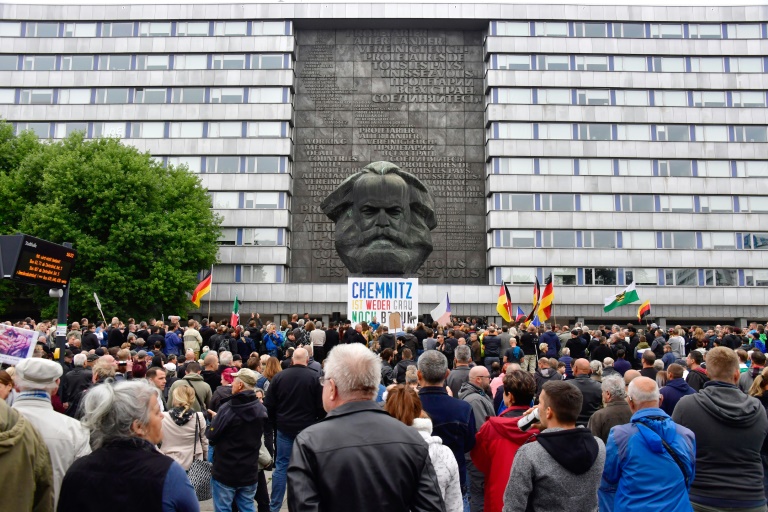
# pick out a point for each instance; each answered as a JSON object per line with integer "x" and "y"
{"x": 203, "y": 288}
{"x": 520, "y": 314}
{"x": 442, "y": 313}
{"x": 644, "y": 310}
{"x": 536, "y": 293}
{"x": 547, "y": 297}
{"x": 536, "y": 322}
{"x": 628, "y": 296}
{"x": 235, "y": 319}
{"x": 504, "y": 305}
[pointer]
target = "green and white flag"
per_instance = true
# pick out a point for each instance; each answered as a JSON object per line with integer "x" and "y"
{"x": 628, "y": 296}
{"x": 234, "y": 320}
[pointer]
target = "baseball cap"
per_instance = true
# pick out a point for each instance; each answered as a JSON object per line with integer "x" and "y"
{"x": 246, "y": 375}
{"x": 170, "y": 367}
{"x": 141, "y": 354}
{"x": 93, "y": 357}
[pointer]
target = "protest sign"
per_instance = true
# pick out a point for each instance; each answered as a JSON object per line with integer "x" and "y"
{"x": 16, "y": 344}
{"x": 369, "y": 297}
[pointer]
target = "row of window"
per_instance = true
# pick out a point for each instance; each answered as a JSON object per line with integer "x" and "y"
{"x": 627, "y": 30}
{"x": 646, "y": 63}
{"x": 629, "y": 203}
{"x": 565, "y": 276}
{"x": 250, "y": 200}
{"x": 621, "y": 167}
{"x": 627, "y": 97}
{"x": 121, "y": 95}
{"x": 576, "y": 239}
{"x": 230, "y": 164}
{"x": 249, "y": 274}
{"x": 261, "y": 237}
{"x": 160, "y": 129}
{"x": 153, "y": 62}
{"x": 145, "y": 28}
{"x": 629, "y": 132}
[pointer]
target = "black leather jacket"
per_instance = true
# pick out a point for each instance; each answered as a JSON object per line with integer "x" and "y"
{"x": 361, "y": 458}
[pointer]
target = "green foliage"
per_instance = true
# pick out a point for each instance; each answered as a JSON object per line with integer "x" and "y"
{"x": 141, "y": 231}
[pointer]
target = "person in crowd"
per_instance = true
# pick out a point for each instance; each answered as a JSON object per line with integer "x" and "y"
{"x": 662, "y": 377}
{"x": 294, "y": 402}
{"x": 224, "y": 391}
{"x": 596, "y": 369}
{"x": 499, "y": 438}
{"x": 6, "y": 386}
{"x": 602, "y": 351}
{"x": 676, "y": 343}
{"x": 562, "y": 470}
{"x": 675, "y": 389}
{"x": 235, "y": 433}
{"x": 195, "y": 380}
{"x": 648, "y": 361}
{"x": 157, "y": 378}
{"x": 720, "y": 413}
{"x": 184, "y": 429}
{"x": 544, "y": 374}
{"x": 125, "y": 423}
{"x": 697, "y": 375}
{"x": 460, "y": 373}
{"x": 317, "y": 337}
{"x": 477, "y": 393}
{"x": 340, "y": 447}
{"x": 210, "y": 373}
{"x": 387, "y": 356}
{"x": 412, "y": 378}
{"x": 75, "y": 381}
{"x": 492, "y": 348}
{"x": 592, "y": 395}
{"x": 567, "y": 360}
{"x": 404, "y": 404}
{"x": 608, "y": 368}
{"x": 552, "y": 340}
{"x": 746, "y": 378}
{"x": 621, "y": 364}
{"x": 650, "y": 444}
{"x": 528, "y": 342}
{"x": 616, "y": 410}
{"x": 398, "y": 373}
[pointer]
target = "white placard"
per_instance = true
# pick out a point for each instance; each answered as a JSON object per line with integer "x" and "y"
{"x": 379, "y": 296}
{"x": 16, "y": 344}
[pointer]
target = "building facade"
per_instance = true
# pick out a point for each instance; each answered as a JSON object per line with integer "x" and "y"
{"x": 602, "y": 144}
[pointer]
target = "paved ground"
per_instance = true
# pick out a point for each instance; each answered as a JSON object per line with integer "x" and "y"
{"x": 207, "y": 506}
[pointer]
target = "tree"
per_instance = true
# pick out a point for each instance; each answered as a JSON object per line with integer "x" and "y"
{"x": 142, "y": 231}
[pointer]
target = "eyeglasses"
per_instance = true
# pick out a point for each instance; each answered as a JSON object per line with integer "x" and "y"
{"x": 323, "y": 380}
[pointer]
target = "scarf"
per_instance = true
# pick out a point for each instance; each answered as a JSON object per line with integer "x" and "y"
{"x": 181, "y": 416}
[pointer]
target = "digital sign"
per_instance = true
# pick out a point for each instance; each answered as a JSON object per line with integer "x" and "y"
{"x": 37, "y": 261}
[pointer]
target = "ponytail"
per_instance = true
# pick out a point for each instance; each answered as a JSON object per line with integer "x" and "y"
{"x": 759, "y": 384}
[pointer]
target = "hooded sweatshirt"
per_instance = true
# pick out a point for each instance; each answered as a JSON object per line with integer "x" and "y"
{"x": 720, "y": 413}
{"x": 673, "y": 392}
{"x": 562, "y": 471}
{"x": 446, "y": 467}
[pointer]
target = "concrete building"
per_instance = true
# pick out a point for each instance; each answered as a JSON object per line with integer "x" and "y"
{"x": 621, "y": 143}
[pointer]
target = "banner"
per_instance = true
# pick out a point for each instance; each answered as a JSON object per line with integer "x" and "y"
{"x": 16, "y": 344}
{"x": 379, "y": 297}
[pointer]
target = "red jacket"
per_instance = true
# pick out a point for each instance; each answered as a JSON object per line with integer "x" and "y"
{"x": 495, "y": 448}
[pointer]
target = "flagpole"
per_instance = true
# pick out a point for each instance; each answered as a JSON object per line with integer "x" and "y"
{"x": 210, "y": 295}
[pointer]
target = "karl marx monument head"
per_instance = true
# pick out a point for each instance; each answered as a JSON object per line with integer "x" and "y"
{"x": 383, "y": 218}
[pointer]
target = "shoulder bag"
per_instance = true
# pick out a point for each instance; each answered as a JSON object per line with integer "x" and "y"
{"x": 199, "y": 472}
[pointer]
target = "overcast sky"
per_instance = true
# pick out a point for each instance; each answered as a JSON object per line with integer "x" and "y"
{"x": 584, "y": 2}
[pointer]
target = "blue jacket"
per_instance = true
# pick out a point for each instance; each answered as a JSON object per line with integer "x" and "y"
{"x": 173, "y": 343}
{"x": 553, "y": 343}
{"x": 639, "y": 473}
{"x": 452, "y": 421}
{"x": 673, "y": 392}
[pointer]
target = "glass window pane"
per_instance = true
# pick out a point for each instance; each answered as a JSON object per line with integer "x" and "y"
{"x": 707, "y": 64}
{"x": 190, "y": 130}
{"x": 518, "y": 62}
{"x": 263, "y": 164}
{"x": 8, "y": 62}
{"x": 270, "y": 62}
{"x": 226, "y": 129}
{"x": 639, "y": 276}
{"x": 715, "y": 168}
{"x": 708, "y": 31}
{"x": 194, "y": 163}
{"x": 74, "y": 96}
{"x": 270, "y": 28}
{"x": 744, "y": 31}
{"x": 512, "y": 28}
{"x": 144, "y": 95}
{"x": 229, "y": 61}
{"x": 124, "y": 29}
{"x": 39, "y": 63}
{"x": 192, "y": 28}
{"x": 188, "y": 95}
{"x": 683, "y": 240}
{"x": 226, "y": 200}
{"x": 115, "y": 62}
{"x": 563, "y": 239}
{"x": 748, "y": 99}
{"x": 42, "y": 29}
{"x": 554, "y": 96}
{"x": 260, "y": 236}
{"x": 598, "y": 203}
{"x": 155, "y": 29}
{"x": 560, "y": 131}
{"x": 515, "y": 130}
{"x": 10, "y": 29}
{"x": 666, "y": 31}
{"x": 595, "y": 132}
{"x": 638, "y": 203}
{"x": 80, "y": 30}
{"x": 554, "y": 62}
{"x": 231, "y": 28}
{"x": 757, "y": 204}
{"x": 36, "y": 96}
{"x": 746, "y": 65}
{"x": 623, "y": 63}
{"x": 669, "y": 64}
{"x": 596, "y": 167}
{"x": 552, "y": 29}
{"x": 603, "y": 239}
{"x": 634, "y": 132}
{"x": 109, "y": 130}
{"x": 223, "y": 164}
{"x": 66, "y": 129}
{"x": 593, "y": 97}
{"x": 191, "y": 62}
{"x": 77, "y": 63}
{"x": 266, "y": 200}
{"x": 7, "y": 96}
{"x": 633, "y": 30}
{"x": 711, "y": 133}
{"x": 640, "y": 240}
{"x": 631, "y": 97}
{"x": 556, "y": 166}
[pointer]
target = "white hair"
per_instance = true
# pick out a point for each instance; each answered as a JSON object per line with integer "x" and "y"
{"x": 608, "y": 361}
{"x": 354, "y": 369}
{"x": 80, "y": 359}
{"x": 639, "y": 396}
{"x": 658, "y": 365}
{"x": 225, "y": 358}
{"x": 566, "y": 351}
{"x": 614, "y": 384}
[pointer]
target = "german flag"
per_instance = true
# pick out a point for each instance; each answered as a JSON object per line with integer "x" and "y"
{"x": 644, "y": 310}
{"x": 203, "y": 288}
{"x": 504, "y": 305}
{"x": 547, "y": 297}
{"x": 536, "y": 293}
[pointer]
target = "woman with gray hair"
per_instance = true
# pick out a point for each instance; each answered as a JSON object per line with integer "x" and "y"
{"x": 597, "y": 370}
{"x": 125, "y": 422}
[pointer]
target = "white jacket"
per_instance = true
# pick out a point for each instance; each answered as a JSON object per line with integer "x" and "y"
{"x": 65, "y": 437}
{"x": 445, "y": 466}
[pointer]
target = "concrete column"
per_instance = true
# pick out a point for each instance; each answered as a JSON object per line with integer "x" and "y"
{"x": 741, "y": 322}
{"x": 662, "y": 323}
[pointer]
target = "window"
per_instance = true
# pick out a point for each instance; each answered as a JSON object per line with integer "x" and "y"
{"x": 600, "y": 277}
{"x": 551, "y": 29}
{"x": 516, "y": 202}
{"x": 756, "y": 277}
{"x": 707, "y": 64}
{"x": 226, "y": 200}
{"x": 518, "y": 62}
{"x": 698, "y": 31}
{"x": 109, "y": 130}
{"x": 678, "y": 240}
{"x": 680, "y": 277}
{"x": 155, "y": 29}
{"x": 150, "y": 95}
{"x": 40, "y": 29}
{"x": 7, "y": 96}
{"x": 673, "y": 133}
{"x": 515, "y": 130}
{"x": 748, "y": 99}
{"x": 631, "y": 97}
{"x": 269, "y": 28}
{"x": 720, "y": 277}
{"x": 77, "y": 63}
{"x": 676, "y": 168}
{"x": 516, "y": 96}
{"x": 223, "y": 164}
{"x": 264, "y": 129}
{"x": 714, "y": 168}
{"x": 745, "y": 31}
{"x": 67, "y": 129}
{"x": 590, "y": 29}
{"x": 228, "y": 236}
{"x": 592, "y": 63}
{"x": 42, "y": 130}
{"x": 36, "y": 97}
{"x": 228, "y": 61}
{"x": 152, "y": 62}
{"x": 635, "y": 168}
{"x": 188, "y": 95}
{"x": 754, "y": 204}
{"x": 230, "y": 28}
{"x": 258, "y": 274}
{"x": 227, "y": 95}
{"x": 518, "y": 275}
{"x": 593, "y": 97}
{"x": 709, "y": 98}
{"x": 190, "y": 130}
{"x": 260, "y": 236}
{"x": 10, "y": 29}
{"x": 556, "y": 166}
{"x": 554, "y": 62}
{"x": 190, "y": 62}
{"x": 266, "y": 200}
{"x": 678, "y": 204}
{"x": 562, "y": 276}
{"x": 193, "y": 163}
{"x": 522, "y": 238}
{"x": 752, "y": 168}
{"x": 756, "y": 241}
{"x": 262, "y": 164}
{"x": 123, "y": 29}
{"x": 623, "y": 63}
{"x": 717, "y": 240}
{"x": 669, "y": 64}
{"x": 594, "y": 132}
{"x": 666, "y": 31}
{"x": 716, "y": 204}
{"x": 639, "y": 240}
{"x": 225, "y": 129}
{"x": 629, "y": 30}
{"x": 558, "y": 202}
{"x": 561, "y": 131}
{"x": 9, "y": 62}
{"x": 148, "y": 130}
{"x": 711, "y": 133}
{"x": 74, "y": 96}
{"x": 112, "y": 95}
{"x": 558, "y": 239}
{"x": 515, "y": 165}
{"x": 746, "y": 65}
{"x": 641, "y": 276}
{"x": 598, "y": 203}
{"x": 267, "y": 61}
{"x": 596, "y": 167}
{"x": 554, "y": 96}
{"x": 751, "y": 133}
{"x": 115, "y": 62}
{"x": 192, "y": 28}
{"x": 633, "y": 132}
{"x": 637, "y": 203}
{"x": 513, "y": 28}
{"x": 39, "y": 63}
{"x": 80, "y": 30}
{"x": 600, "y": 239}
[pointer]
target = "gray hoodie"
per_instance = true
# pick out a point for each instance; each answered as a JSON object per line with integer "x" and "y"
{"x": 482, "y": 404}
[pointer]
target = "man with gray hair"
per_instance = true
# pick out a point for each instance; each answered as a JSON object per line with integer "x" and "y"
{"x": 615, "y": 410}
{"x": 75, "y": 380}
{"x": 66, "y": 438}
{"x": 460, "y": 373}
{"x": 340, "y": 448}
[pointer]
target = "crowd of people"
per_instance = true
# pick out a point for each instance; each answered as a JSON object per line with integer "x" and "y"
{"x": 464, "y": 417}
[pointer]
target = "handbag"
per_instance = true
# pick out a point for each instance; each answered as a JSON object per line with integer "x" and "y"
{"x": 199, "y": 472}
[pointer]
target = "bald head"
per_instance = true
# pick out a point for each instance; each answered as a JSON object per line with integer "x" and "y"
{"x": 300, "y": 356}
{"x": 581, "y": 367}
{"x": 630, "y": 375}
{"x": 478, "y": 371}
{"x": 643, "y": 393}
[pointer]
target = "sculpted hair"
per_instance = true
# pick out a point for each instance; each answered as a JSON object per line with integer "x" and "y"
{"x": 403, "y": 404}
{"x": 354, "y": 369}
{"x": 564, "y": 399}
{"x": 184, "y": 396}
{"x": 722, "y": 363}
{"x": 111, "y": 409}
{"x": 225, "y": 358}
{"x": 79, "y": 359}
{"x": 614, "y": 384}
{"x": 521, "y": 385}
{"x": 759, "y": 384}
{"x": 411, "y": 375}
{"x": 433, "y": 365}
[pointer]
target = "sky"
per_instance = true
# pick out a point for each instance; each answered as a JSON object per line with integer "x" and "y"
{"x": 583, "y": 2}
